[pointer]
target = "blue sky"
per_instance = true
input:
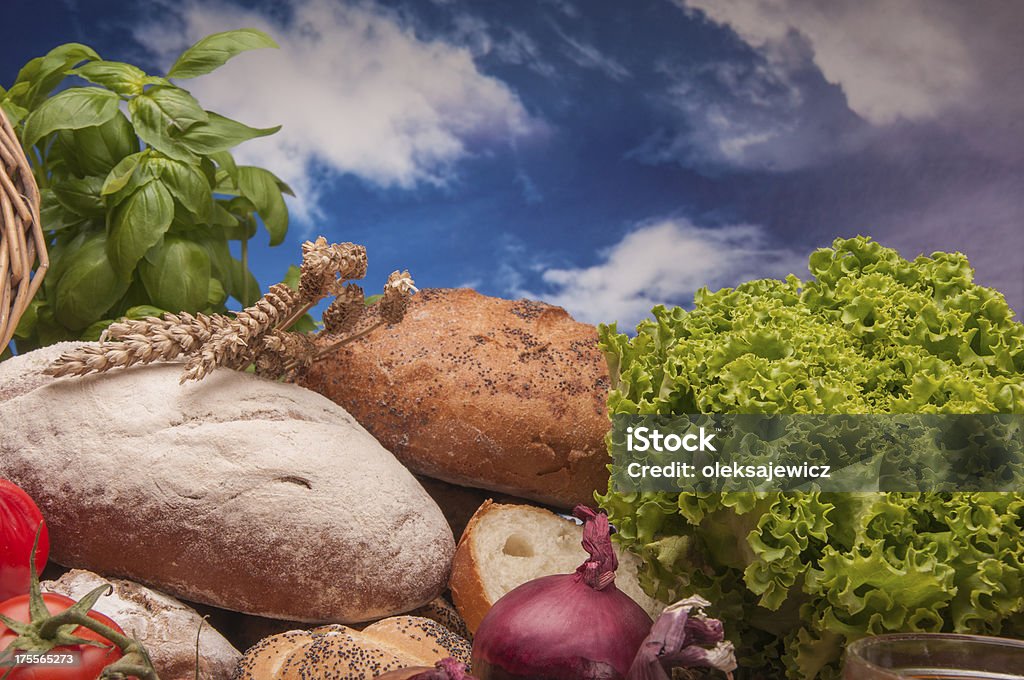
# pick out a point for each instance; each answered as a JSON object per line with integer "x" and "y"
{"x": 605, "y": 155}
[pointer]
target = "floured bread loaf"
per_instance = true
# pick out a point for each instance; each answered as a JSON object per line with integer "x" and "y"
{"x": 243, "y": 493}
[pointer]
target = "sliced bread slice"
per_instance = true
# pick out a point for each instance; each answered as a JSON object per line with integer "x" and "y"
{"x": 505, "y": 546}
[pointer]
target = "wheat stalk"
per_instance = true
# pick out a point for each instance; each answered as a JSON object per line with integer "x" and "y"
{"x": 258, "y": 335}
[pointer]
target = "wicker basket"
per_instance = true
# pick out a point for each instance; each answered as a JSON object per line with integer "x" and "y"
{"x": 21, "y": 235}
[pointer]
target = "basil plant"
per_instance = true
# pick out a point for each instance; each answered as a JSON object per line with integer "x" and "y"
{"x": 141, "y": 197}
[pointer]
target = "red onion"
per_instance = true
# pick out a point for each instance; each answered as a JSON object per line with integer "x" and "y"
{"x": 566, "y": 627}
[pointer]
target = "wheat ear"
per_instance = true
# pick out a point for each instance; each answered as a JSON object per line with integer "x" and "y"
{"x": 236, "y": 345}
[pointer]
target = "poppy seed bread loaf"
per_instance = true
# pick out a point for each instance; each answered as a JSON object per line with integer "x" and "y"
{"x": 341, "y": 653}
{"x": 479, "y": 391}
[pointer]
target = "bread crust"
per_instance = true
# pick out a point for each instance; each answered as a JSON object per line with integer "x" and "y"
{"x": 479, "y": 391}
{"x": 466, "y": 583}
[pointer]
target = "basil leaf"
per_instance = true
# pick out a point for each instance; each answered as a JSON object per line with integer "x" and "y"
{"x": 220, "y": 216}
{"x": 209, "y": 171}
{"x": 217, "y": 249}
{"x": 27, "y": 323}
{"x": 260, "y": 187}
{"x": 65, "y": 243}
{"x": 177, "y": 275}
{"x": 216, "y": 295}
{"x": 96, "y": 150}
{"x": 214, "y": 50}
{"x": 95, "y": 330}
{"x": 39, "y": 76}
{"x": 304, "y": 324}
{"x": 124, "y": 79}
{"x": 292, "y": 276}
{"x": 89, "y": 286}
{"x": 220, "y": 134}
{"x": 187, "y": 184}
{"x": 80, "y": 196}
{"x": 179, "y": 107}
{"x": 121, "y": 173}
{"x": 242, "y": 229}
{"x": 144, "y": 312}
{"x": 243, "y": 285}
{"x": 138, "y": 224}
{"x": 15, "y": 113}
{"x": 72, "y": 109}
{"x": 226, "y": 162}
{"x": 153, "y": 126}
{"x": 55, "y": 217}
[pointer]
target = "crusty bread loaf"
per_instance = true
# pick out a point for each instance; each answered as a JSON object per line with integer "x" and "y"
{"x": 479, "y": 391}
{"x": 169, "y": 629}
{"x": 341, "y": 653}
{"x": 239, "y": 492}
{"x": 505, "y": 546}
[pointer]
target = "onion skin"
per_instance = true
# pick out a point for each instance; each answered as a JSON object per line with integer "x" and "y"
{"x": 539, "y": 629}
{"x": 683, "y": 637}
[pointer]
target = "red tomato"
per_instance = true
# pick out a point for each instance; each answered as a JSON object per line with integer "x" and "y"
{"x": 93, "y": 659}
{"x": 19, "y": 521}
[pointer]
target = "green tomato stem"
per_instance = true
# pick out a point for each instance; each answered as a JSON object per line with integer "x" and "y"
{"x": 50, "y": 627}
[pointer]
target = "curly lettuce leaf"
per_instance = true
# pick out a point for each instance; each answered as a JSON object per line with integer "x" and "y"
{"x": 793, "y": 576}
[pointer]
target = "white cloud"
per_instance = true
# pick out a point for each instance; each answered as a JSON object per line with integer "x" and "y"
{"x": 508, "y": 45}
{"x": 565, "y": 7}
{"x": 665, "y": 262}
{"x": 356, "y": 90}
{"x": 589, "y": 56}
{"x": 747, "y": 114}
{"x": 830, "y": 78}
{"x": 894, "y": 60}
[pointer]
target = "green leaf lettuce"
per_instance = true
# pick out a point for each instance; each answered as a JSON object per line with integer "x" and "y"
{"x": 797, "y": 576}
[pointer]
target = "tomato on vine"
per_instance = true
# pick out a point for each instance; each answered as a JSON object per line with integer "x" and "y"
{"x": 89, "y": 660}
{"x": 20, "y": 519}
{"x": 37, "y": 625}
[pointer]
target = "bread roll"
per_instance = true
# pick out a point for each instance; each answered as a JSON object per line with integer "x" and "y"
{"x": 443, "y": 612}
{"x": 341, "y": 653}
{"x": 505, "y": 546}
{"x": 484, "y": 392}
{"x": 166, "y": 627}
